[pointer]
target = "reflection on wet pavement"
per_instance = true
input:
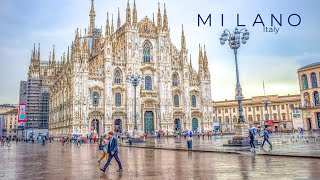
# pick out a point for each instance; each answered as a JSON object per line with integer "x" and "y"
{"x": 53, "y": 161}
{"x": 283, "y": 144}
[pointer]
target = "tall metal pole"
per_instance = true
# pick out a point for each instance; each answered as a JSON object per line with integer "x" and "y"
{"x": 95, "y": 118}
{"x": 135, "y": 106}
{"x": 240, "y": 109}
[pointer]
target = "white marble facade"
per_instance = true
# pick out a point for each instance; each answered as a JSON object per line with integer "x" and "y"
{"x": 172, "y": 96}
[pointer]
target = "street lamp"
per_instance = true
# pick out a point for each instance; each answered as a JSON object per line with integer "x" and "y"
{"x": 266, "y": 103}
{"x": 235, "y": 39}
{"x": 95, "y": 103}
{"x": 134, "y": 80}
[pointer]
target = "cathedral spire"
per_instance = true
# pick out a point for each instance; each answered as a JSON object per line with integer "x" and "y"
{"x": 38, "y": 52}
{"x": 64, "y": 58}
{"x": 34, "y": 51}
{"x": 112, "y": 27}
{"x": 107, "y": 27}
{"x": 68, "y": 55}
{"x": 183, "y": 39}
{"x": 92, "y": 16}
{"x": 49, "y": 57}
{"x": 190, "y": 64}
{"x": 153, "y": 18}
{"x": 53, "y": 55}
{"x": 200, "y": 58}
{"x": 76, "y": 40}
{"x": 119, "y": 22}
{"x": 205, "y": 59}
{"x": 159, "y": 24}
{"x": 165, "y": 19}
{"x": 135, "y": 14}
{"x": 128, "y": 15}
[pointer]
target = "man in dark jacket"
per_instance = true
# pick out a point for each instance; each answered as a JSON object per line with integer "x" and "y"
{"x": 251, "y": 135}
{"x": 113, "y": 152}
{"x": 266, "y": 138}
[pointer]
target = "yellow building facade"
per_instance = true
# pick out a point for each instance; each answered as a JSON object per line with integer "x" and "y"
{"x": 279, "y": 110}
{"x": 11, "y": 122}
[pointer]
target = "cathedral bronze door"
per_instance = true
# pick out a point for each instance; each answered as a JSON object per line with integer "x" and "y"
{"x": 177, "y": 124}
{"x": 195, "y": 125}
{"x": 95, "y": 126}
{"x": 148, "y": 122}
{"x": 118, "y": 125}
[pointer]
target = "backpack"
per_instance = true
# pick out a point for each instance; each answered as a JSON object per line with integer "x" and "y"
{"x": 100, "y": 144}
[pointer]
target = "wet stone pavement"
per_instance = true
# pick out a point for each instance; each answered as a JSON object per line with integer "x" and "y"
{"x": 306, "y": 145}
{"x": 53, "y": 161}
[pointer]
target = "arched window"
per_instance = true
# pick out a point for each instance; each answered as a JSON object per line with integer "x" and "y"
{"x": 117, "y": 76}
{"x": 314, "y": 82}
{"x": 304, "y": 80}
{"x": 95, "y": 98}
{"x": 316, "y": 98}
{"x": 176, "y": 100}
{"x": 194, "y": 101}
{"x": 306, "y": 99}
{"x": 175, "y": 80}
{"x": 147, "y": 83}
{"x": 118, "y": 99}
{"x": 147, "y": 52}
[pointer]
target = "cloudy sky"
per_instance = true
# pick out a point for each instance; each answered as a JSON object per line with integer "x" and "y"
{"x": 273, "y": 58}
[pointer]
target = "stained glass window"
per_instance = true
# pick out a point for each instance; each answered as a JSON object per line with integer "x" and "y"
{"x": 117, "y": 76}
{"x": 176, "y": 100}
{"x": 118, "y": 99}
{"x": 314, "y": 82}
{"x": 148, "y": 83}
{"x": 316, "y": 98}
{"x": 147, "y": 52}
{"x": 194, "y": 101}
{"x": 175, "y": 80}
{"x": 304, "y": 81}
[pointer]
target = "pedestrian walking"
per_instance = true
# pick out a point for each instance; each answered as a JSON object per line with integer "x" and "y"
{"x": 104, "y": 147}
{"x": 266, "y": 138}
{"x": 43, "y": 140}
{"x": 251, "y": 135}
{"x": 158, "y": 135}
{"x": 113, "y": 152}
{"x": 94, "y": 139}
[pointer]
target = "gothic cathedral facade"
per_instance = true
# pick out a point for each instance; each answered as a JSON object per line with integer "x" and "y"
{"x": 90, "y": 88}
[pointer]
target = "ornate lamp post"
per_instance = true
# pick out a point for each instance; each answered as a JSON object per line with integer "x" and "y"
{"x": 95, "y": 103}
{"x": 234, "y": 40}
{"x": 134, "y": 80}
{"x": 266, "y": 103}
